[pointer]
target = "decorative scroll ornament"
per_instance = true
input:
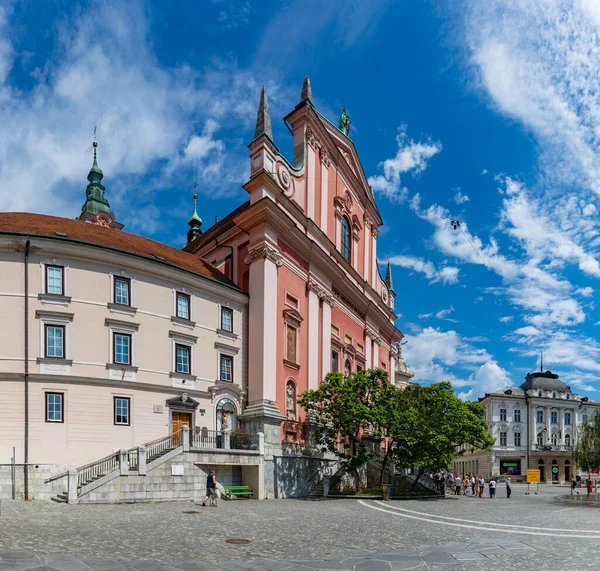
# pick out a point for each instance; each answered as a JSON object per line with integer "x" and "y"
{"x": 285, "y": 180}
{"x": 310, "y": 137}
{"x": 384, "y": 294}
{"x": 348, "y": 201}
{"x": 374, "y": 335}
{"x": 321, "y": 291}
{"x": 325, "y": 158}
{"x": 264, "y": 251}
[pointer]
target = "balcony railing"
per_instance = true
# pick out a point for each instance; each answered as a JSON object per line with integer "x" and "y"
{"x": 223, "y": 440}
{"x": 553, "y": 447}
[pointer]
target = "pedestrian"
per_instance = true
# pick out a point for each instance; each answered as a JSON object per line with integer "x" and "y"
{"x": 481, "y": 486}
{"x": 492, "y": 488}
{"x": 473, "y": 485}
{"x": 573, "y": 485}
{"x": 457, "y": 483}
{"x": 508, "y": 488}
{"x": 211, "y": 489}
{"x": 589, "y": 485}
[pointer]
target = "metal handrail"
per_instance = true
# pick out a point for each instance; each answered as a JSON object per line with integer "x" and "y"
{"x": 133, "y": 458}
{"x": 97, "y": 469}
{"x": 159, "y": 446}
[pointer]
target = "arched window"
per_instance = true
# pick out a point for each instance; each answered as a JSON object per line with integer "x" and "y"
{"x": 567, "y": 441}
{"x": 346, "y": 238}
{"x": 553, "y": 395}
{"x": 554, "y": 439}
{"x": 347, "y": 367}
{"x": 290, "y": 400}
{"x": 539, "y": 393}
{"x": 226, "y": 416}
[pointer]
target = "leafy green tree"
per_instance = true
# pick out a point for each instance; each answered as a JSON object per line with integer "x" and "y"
{"x": 433, "y": 426}
{"x": 343, "y": 409}
{"x": 587, "y": 448}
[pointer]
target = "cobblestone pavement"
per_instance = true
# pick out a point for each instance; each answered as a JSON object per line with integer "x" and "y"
{"x": 525, "y": 532}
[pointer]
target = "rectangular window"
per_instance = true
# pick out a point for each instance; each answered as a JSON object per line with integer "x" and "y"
{"x": 122, "y": 292}
{"x": 517, "y": 439}
{"x": 503, "y": 414}
{"x": 584, "y": 418}
{"x": 347, "y": 339}
{"x": 540, "y": 439}
{"x": 183, "y": 306}
{"x": 360, "y": 348}
{"x": 226, "y": 368}
{"x": 55, "y": 341}
{"x": 55, "y": 280}
{"x": 517, "y": 415}
{"x": 54, "y": 407}
{"x": 335, "y": 330}
{"x": 567, "y": 418}
{"x": 539, "y": 416}
{"x": 503, "y": 439}
{"x": 122, "y": 348}
{"x": 182, "y": 359}
{"x": 291, "y": 301}
{"x": 554, "y": 417}
{"x": 227, "y": 319}
{"x": 290, "y": 343}
{"x": 122, "y": 415}
{"x": 334, "y": 362}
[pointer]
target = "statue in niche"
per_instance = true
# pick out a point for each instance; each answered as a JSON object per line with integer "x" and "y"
{"x": 290, "y": 401}
{"x": 225, "y": 420}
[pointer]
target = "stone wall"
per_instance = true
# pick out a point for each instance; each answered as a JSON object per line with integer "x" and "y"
{"x": 295, "y": 475}
{"x": 38, "y": 473}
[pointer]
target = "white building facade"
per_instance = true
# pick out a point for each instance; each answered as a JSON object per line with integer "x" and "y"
{"x": 535, "y": 427}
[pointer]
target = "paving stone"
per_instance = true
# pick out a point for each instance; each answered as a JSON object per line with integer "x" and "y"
{"x": 469, "y": 556}
{"x": 374, "y": 566}
{"x": 105, "y": 564}
{"x": 66, "y": 562}
{"x": 150, "y": 565}
{"x": 438, "y": 558}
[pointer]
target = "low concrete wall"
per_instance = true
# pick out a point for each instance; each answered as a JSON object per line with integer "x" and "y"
{"x": 292, "y": 474}
{"x": 38, "y": 473}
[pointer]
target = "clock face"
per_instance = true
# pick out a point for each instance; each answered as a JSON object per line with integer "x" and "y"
{"x": 384, "y": 294}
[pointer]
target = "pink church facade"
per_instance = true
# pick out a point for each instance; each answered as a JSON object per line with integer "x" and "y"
{"x": 304, "y": 247}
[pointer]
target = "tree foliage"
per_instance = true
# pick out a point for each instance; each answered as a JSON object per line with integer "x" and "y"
{"x": 587, "y": 449}
{"x": 424, "y": 426}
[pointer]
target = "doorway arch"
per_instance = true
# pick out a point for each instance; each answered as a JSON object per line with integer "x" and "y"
{"x": 541, "y": 469}
{"x": 554, "y": 472}
{"x": 567, "y": 471}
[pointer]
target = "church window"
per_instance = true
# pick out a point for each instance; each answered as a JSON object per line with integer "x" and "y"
{"x": 335, "y": 330}
{"x": 347, "y": 339}
{"x": 517, "y": 415}
{"x": 346, "y": 238}
{"x": 503, "y": 414}
{"x": 55, "y": 280}
{"x": 360, "y": 348}
{"x": 290, "y": 343}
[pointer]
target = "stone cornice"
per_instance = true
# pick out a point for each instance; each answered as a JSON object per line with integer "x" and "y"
{"x": 264, "y": 250}
{"x": 322, "y": 292}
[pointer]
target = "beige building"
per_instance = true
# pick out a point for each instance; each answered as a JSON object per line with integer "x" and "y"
{"x": 109, "y": 340}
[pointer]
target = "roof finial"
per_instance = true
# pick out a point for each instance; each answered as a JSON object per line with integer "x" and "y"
{"x": 263, "y": 118}
{"x": 541, "y": 361}
{"x": 95, "y": 143}
{"x": 195, "y": 222}
{"x": 344, "y": 124}
{"x": 388, "y": 278}
{"x": 306, "y": 94}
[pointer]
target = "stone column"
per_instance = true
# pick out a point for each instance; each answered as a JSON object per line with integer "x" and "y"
{"x": 324, "y": 188}
{"x": 142, "y": 457}
{"x": 227, "y": 440}
{"x": 261, "y": 443}
{"x": 123, "y": 462}
{"x": 374, "y": 270}
{"x": 548, "y": 426}
{"x": 313, "y": 338}
{"x": 376, "y": 354}
{"x": 532, "y": 427}
{"x": 72, "y": 481}
{"x": 326, "y": 337}
{"x": 561, "y": 412}
{"x": 367, "y": 248}
{"x": 185, "y": 435}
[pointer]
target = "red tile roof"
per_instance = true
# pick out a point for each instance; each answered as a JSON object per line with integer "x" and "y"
{"x": 76, "y": 230}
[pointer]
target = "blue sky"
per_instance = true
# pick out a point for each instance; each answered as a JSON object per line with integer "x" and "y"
{"x": 483, "y": 112}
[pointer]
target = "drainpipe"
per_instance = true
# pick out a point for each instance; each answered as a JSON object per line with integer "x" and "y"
{"x": 26, "y": 375}
{"x": 528, "y": 441}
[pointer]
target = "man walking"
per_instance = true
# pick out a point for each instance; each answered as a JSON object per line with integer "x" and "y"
{"x": 481, "y": 486}
{"x": 457, "y": 483}
{"x": 492, "y": 489}
{"x": 508, "y": 488}
{"x": 211, "y": 487}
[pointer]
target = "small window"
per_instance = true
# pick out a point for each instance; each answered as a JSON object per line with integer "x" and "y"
{"x": 539, "y": 393}
{"x": 183, "y": 306}
{"x": 292, "y": 301}
{"x": 360, "y": 348}
{"x": 567, "y": 418}
{"x": 122, "y": 293}
{"x": 122, "y": 416}
{"x": 553, "y": 395}
{"x": 517, "y": 439}
{"x": 347, "y": 339}
{"x": 539, "y": 416}
{"x": 54, "y": 407}
{"x": 517, "y": 415}
{"x": 334, "y": 362}
{"x": 554, "y": 417}
{"x": 503, "y": 439}
{"x": 584, "y": 419}
{"x": 291, "y": 336}
{"x": 226, "y": 368}
{"x": 55, "y": 341}
{"x": 227, "y": 319}
{"x": 335, "y": 330}
{"x": 55, "y": 283}
{"x": 346, "y": 239}
{"x": 503, "y": 414}
{"x": 182, "y": 359}
{"x": 122, "y": 348}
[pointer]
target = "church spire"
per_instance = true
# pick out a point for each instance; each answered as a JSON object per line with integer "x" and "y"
{"x": 306, "y": 94}
{"x": 195, "y": 222}
{"x": 263, "y": 118}
{"x": 96, "y": 208}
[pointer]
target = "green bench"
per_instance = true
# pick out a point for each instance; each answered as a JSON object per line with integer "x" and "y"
{"x": 238, "y": 491}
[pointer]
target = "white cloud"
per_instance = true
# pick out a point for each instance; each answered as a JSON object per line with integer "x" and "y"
{"x": 446, "y": 274}
{"x": 460, "y": 198}
{"x": 528, "y": 331}
{"x": 490, "y": 377}
{"x": 444, "y": 313}
{"x": 586, "y": 291}
{"x": 411, "y": 157}
{"x": 484, "y": 172}
{"x": 6, "y": 47}
{"x": 506, "y": 319}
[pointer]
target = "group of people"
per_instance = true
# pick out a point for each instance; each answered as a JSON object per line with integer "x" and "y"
{"x": 590, "y": 486}
{"x": 476, "y": 485}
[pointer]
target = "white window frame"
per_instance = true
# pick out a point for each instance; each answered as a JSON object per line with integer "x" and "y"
{"x": 502, "y": 435}
{"x": 230, "y": 309}
{"x": 128, "y": 276}
{"x": 121, "y": 330}
{"x": 285, "y": 300}
{"x": 515, "y": 439}
{"x": 182, "y": 291}
{"x": 129, "y": 399}
{"x": 232, "y": 355}
{"x": 54, "y": 262}
{"x": 176, "y": 340}
{"x": 59, "y": 322}
{"x": 503, "y": 413}
{"x": 516, "y": 413}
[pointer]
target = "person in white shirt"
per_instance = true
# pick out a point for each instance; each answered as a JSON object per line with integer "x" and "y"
{"x": 492, "y": 489}
{"x": 457, "y": 483}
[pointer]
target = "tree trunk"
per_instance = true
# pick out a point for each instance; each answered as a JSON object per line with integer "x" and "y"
{"x": 420, "y": 472}
{"x": 383, "y": 464}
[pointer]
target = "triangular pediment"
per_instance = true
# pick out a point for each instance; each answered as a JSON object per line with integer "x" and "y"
{"x": 183, "y": 401}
